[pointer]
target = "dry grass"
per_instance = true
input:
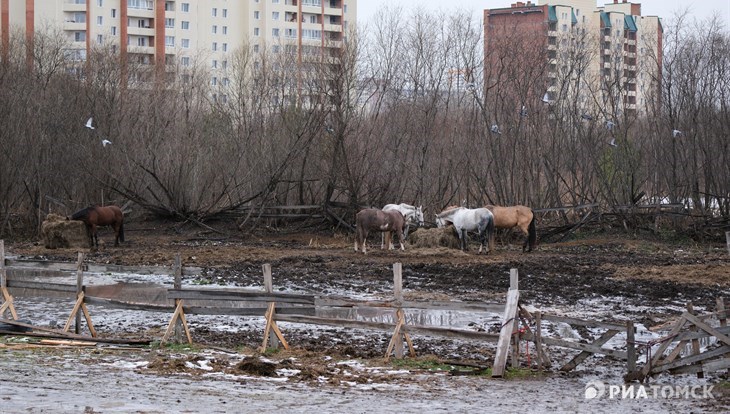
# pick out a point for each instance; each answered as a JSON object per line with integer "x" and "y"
{"x": 58, "y": 232}
{"x": 436, "y": 237}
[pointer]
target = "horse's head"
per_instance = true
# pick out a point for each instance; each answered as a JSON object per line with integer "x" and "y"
{"x": 419, "y": 216}
{"x": 440, "y": 222}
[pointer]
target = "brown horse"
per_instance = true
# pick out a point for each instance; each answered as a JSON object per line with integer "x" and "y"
{"x": 516, "y": 216}
{"x": 374, "y": 219}
{"x": 94, "y": 216}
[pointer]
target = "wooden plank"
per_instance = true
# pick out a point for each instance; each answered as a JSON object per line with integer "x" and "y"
{"x": 689, "y": 335}
{"x": 382, "y": 326}
{"x": 510, "y": 315}
{"x": 55, "y": 333}
{"x": 580, "y": 322}
{"x": 585, "y": 354}
{"x": 79, "y": 289}
{"x": 711, "y": 366}
{"x": 579, "y": 346}
{"x": 66, "y": 342}
{"x": 97, "y": 267}
{"x": 41, "y": 286}
{"x": 239, "y": 295}
{"x": 692, "y": 359}
{"x": 659, "y": 353}
{"x": 200, "y": 310}
{"x": 177, "y": 284}
{"x": 709, "y": 329}
{"x": 337, "y": 301}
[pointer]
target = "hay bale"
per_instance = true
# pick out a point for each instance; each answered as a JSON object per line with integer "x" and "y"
{"x": 58, "y": 232}
{"x": 435, "y": 237}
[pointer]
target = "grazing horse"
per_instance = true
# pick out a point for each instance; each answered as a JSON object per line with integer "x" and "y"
{"x": 464, "y": 220}
{"x": 516, "y": 216}
{"x": 413, "y": 215}
{"x": 94, "y": 216}
{"x": 373, "y": 219}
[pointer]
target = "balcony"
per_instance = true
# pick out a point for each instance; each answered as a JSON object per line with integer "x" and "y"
{"x": 73, "y": 26}
{"x": 148, "y": 50}
{"x": 147, "y": 13}
{"x": 140, "y": 31}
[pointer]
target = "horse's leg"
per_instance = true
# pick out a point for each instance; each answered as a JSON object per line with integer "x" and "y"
{"x": 401, "y": 238}
{"x": 388, "y": 239}
{"x": 462, "y": 237}
{"x": 382, "y": 241}
{"x": 94, "y": 237}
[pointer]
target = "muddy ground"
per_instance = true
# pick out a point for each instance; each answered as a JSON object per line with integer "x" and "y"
{"x": 650, "y": 281}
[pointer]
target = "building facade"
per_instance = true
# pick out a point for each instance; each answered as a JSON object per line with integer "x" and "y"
{"x": 606, "y": 59}
{"x": 164, "y": 32}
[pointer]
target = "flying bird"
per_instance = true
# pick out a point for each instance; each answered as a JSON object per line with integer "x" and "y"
{"x": 495, "y": 129}
{"x": 677, "y": 133}
{"x": 105, "y": 142}
{"x": 523, "y": 111}
{"x": 88, "y": 123}
{"x": 610, "y": 125}
{"x": 587, "y": 117}
{"x": 546, "y": 98}
{"x": 613, "y": 143}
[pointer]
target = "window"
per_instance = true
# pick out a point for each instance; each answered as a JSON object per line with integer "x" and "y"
{"x": 100, "y": 3}
{"x": 185, "y": 7}
{"x": 225, "y": 47}
{"x": 170, "y": 41}
{"x": 214, "y": 65}
{"x": 215, "y": 46}
{"x": 256, "y": 15}
{"x": 214, "y": 81}
{"x": 311, "y": 34}
{"x": 224, "y": 65}
{"x": 313, "y": 19}
{"x": 275, "y": 1}
{"x": 274, "y": 15}
{"x": 114, "y": 13}
{"x": 225, "y": 12}
{"x": 255, "y": 31}
{"x": 79, "y": 36}
{"x": 169, "y": 6}
{"x": 99, "y": 20}
{"x": 185, "y": 25}
{"x": 225, "y": 82}
{"x": 290, "y": 32}
{"x": 99, "y": 39}
{"x": 225, "y": 30}
{"x": 169, "y": 23}
{"x": 256, "y": 48}
{"x": 114, "y": 30}
{"x": 215, "y": 29}
{"x": 141, "y": 41}
{"x": 185, "y": 61}
{"x": 215, "y": 11}
{"x": 185, "y": 43}
{"x": 275, "y": 32}
{"x": 275, "y": 48}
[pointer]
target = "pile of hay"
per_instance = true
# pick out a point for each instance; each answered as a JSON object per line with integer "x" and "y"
{"x": 436, "y": 237}
{"x": 57, "y": 232}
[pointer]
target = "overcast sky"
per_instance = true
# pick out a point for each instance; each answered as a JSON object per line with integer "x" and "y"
{"x": 665, "y": 9}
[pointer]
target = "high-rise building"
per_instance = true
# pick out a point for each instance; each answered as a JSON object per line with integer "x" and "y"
{"x": 160, "y": 32}
{"x": 606, "y": 59}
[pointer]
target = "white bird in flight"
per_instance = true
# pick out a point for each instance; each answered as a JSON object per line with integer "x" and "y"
{"x": 677, "y": 133}
{"x": 546, "y": 98}
{"x": 495, "y": 129}
{"x": 88, "y": 123}
{"x": 613, "y": 143}
{"x": 105, "y": 142}
{"x": 610, "y": 125}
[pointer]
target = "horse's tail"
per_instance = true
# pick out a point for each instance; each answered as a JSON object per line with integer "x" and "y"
{"x": 532, "y": 232}
{"x": 490, "y": 232}
{"x": 121, "y": 231}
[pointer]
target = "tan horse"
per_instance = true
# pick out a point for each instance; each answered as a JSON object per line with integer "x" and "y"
{"x": 94, "y": 216}
{"x": 516, "y": 216}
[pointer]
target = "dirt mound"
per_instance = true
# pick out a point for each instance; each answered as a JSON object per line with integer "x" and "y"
{"x": 58, "y": 232}
{"x": 255, "y": 366}
{"x": 436, "y": 237}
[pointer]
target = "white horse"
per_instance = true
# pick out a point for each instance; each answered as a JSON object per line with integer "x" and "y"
{"x": 413, "y": 215}
{"x": 464, "y": 220}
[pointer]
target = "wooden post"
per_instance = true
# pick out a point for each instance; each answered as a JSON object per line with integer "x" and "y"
{"x": 538, "y": 340}
{"x": 269, "y": 287}
{"x": 79, "y": 288}
{"x": 721, "y": 310}
{"x": 398, "y": 293}
{"x": 630, "y": 347}
{"x": 695, "y": 342}
{"x": 514, "y": 285}
{"x": 177, "y": 284}
{"x": 727, "y": 240}
{"x": 6, "y": 299}
{"x": 508, "y": 326}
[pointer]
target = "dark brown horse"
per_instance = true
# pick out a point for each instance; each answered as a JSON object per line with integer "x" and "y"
{"x": 516, "y": 216}
{"x": 94, "y": 216}
{"x": 374, "y": 219}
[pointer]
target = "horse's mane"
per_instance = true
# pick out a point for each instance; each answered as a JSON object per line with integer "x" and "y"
{"x": 83, "y": 213}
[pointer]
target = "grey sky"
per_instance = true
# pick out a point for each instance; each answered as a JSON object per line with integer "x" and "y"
{"x": 666, "y": 9}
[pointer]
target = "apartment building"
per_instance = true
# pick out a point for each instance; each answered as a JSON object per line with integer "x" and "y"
{"x": 162, "y": 32}
{"x": 607, "y": 57}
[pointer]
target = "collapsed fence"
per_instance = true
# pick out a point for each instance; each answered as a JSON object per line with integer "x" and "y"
{"x": 518, "y": 326}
